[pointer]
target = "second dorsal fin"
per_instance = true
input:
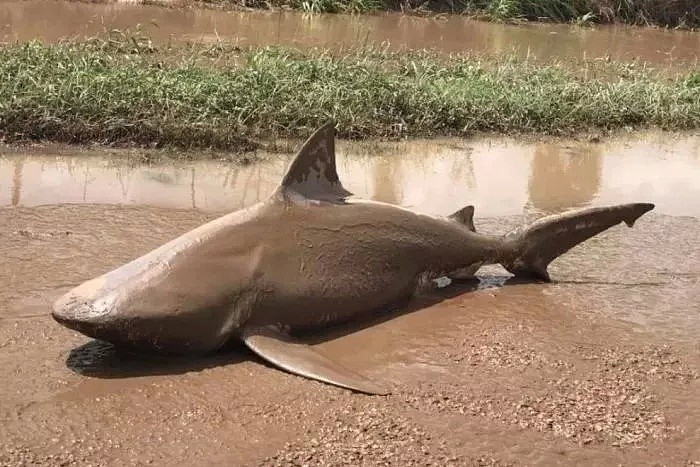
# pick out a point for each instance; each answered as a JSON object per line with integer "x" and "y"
{"x": 464, "y": 216}
{"x": 313, "y": 173}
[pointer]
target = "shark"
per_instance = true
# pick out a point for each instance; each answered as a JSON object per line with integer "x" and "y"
{"x": 311, "y": 255}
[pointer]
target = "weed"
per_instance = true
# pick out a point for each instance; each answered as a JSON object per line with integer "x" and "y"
{"x": 672, "y": 13}
{"x": 115, "y": 93}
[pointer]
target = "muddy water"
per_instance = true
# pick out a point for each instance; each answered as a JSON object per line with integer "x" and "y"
{"x": 501, "y": 177}
{"x": 597, "y": 368}
{"x": 53, "y": 20}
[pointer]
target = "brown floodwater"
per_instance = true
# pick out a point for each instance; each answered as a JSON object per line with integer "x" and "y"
{"x": 56, "y": 19}
{"x": 502, "y": 177}
{"x": 597, "y": 368}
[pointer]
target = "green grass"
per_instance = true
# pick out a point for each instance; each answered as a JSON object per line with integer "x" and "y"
{"x": 336, "y": 6}
{"x": 309, "y": 6}
{"x": 671, "y": 13}
{"x": 120, "y": 92}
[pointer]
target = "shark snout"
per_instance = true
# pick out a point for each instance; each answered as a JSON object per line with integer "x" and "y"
{"x": 133, "y": 317}
{"x": 84, "y": 308}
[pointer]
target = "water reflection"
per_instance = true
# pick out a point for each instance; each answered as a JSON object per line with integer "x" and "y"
{"x": 16, "y": 182}
{"x": 387, "y": 180}
{"x": 500, "y": 177}
{"x": 57, "y": 19}
{"x": 564, "y": 177}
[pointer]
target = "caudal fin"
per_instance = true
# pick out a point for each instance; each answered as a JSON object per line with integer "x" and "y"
{"x": 533, "y": 247}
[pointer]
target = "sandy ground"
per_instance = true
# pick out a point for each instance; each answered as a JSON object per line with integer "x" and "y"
{"x": 598, "y": 368}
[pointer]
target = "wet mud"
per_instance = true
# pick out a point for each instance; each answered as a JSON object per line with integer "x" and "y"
{"x": 57, "y": 19}
{"x": 599, "y": 367}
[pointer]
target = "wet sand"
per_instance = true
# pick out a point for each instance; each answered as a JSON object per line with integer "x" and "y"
{"x": 599, "y": 367}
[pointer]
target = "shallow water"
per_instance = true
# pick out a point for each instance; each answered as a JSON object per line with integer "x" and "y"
{"x": 584, "y": 348}
{"x": 500, "y": 177}
{"x": 57, "y": 19}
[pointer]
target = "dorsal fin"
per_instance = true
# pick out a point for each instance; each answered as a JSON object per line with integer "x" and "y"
{"x": 464, "y": 216}
{"x": 313, "y": 173}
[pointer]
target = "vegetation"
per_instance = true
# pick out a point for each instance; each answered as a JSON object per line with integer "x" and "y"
{"x": 672, "y": 13}
{"x": 128, "y": 92}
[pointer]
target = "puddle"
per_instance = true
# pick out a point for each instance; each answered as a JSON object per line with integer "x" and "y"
{"x": 54, "y": 20}
{"x": 500, "y": 177}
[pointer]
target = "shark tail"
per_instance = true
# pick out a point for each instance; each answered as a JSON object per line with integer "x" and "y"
{"x": 531, "y": 249}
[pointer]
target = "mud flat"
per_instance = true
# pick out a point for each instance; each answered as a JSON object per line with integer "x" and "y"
{"x": 599, "y": 367}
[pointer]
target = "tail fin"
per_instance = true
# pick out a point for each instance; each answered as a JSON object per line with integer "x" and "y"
{"x": 535, "y": 246}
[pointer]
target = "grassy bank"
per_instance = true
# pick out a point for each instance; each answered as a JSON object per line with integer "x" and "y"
{"x": 672, "y": 13}
{"x": 116, "y": 92}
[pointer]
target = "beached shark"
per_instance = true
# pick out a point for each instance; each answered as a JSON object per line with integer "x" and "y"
{"x": 308, "y": 257}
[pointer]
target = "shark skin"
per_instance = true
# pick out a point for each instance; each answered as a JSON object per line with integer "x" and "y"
{"x": 308, "y": 257}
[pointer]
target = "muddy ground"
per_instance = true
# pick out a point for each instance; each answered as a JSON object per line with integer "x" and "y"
{"x": 598, "y": 368}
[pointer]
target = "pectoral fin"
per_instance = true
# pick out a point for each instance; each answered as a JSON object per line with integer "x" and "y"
{"x": 281, "y": 350}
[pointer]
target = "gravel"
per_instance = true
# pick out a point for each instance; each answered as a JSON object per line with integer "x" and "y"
{"x": 371, "y": 435}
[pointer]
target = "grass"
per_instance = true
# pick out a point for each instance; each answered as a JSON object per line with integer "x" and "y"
{"x": 126, "y": 93}
{"x": 673, "y": 13}
{"x": 670, "y": 13}
{"x": 309, "y": 6}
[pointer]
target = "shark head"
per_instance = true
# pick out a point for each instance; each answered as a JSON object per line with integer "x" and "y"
{"x": 144, "y": 312}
